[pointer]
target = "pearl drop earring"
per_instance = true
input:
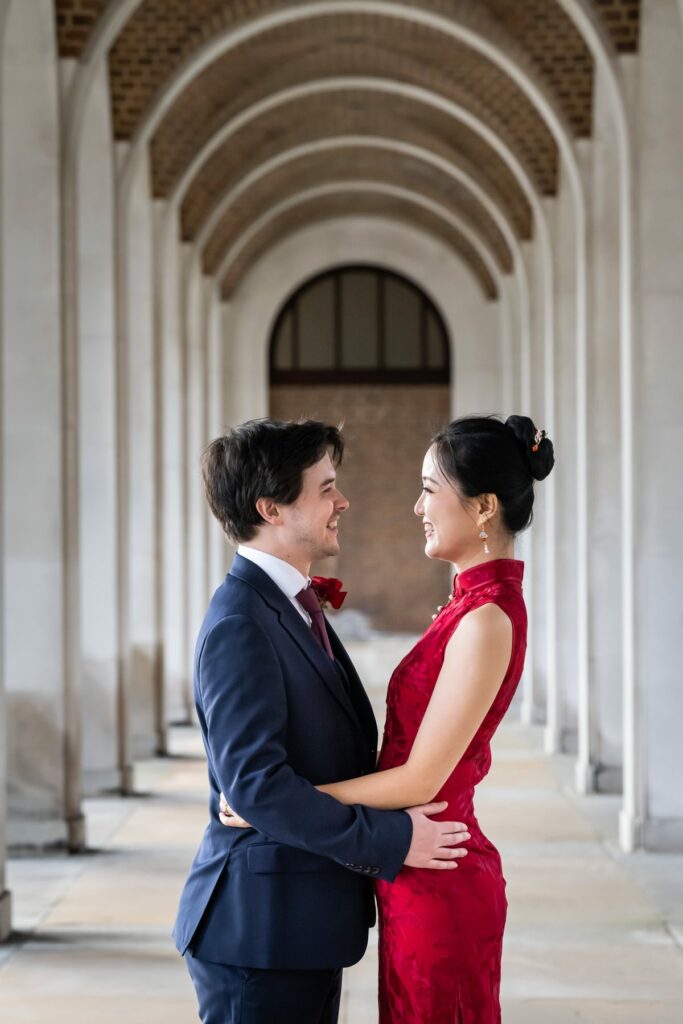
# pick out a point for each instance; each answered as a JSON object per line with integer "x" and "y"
{"x": 484, "y": 536}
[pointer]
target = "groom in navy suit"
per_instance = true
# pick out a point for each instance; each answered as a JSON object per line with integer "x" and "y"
{"x": 270, "y": 915}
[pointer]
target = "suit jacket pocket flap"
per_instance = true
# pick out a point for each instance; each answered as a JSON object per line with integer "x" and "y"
{"x": 270, "y": 858}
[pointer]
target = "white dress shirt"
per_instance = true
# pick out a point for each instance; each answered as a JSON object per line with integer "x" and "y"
{"x": 285, "y": 576}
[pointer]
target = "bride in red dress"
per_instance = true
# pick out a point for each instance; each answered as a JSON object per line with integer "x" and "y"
{"x": 441, "y": 931}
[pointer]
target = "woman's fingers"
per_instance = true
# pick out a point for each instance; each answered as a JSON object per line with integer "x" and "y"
{"x": 233, "y": 821}
{"x": 227, "y": 816}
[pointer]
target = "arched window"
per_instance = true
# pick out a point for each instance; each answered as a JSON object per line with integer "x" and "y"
{"x": 359, "y": 325}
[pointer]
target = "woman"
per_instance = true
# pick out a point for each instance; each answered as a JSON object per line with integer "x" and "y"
{"x": 441, "y": 937}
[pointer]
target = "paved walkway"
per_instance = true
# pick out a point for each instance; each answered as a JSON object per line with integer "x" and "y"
{"x": 592, "y": 936}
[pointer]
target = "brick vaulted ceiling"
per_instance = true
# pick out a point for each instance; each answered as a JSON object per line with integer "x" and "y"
{"x": 161, "y": 35}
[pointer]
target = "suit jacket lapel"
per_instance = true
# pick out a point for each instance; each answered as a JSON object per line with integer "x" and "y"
{"x": 361, "y": 700}
{"x": 297, "y": 628}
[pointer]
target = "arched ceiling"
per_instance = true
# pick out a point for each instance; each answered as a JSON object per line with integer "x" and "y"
{"x": 352, "y": 164}
{"x": 370, "y": 204}
{"x": 336, "y": 47}
{"x": 344, "y": 113}
{"x": 329, "y": 47}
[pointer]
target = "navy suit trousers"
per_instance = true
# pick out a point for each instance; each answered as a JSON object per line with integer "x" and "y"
{"x": 252, "y": 995}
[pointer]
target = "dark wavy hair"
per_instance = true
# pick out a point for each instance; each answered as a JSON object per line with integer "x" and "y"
{"x": 484, "y": 455}
{"x": 262, "y": 459}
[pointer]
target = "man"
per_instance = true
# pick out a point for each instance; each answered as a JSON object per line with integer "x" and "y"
{"x": 270, "y": 915}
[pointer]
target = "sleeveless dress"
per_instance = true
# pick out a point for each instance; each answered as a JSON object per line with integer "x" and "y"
{"x": 441, "y": 932}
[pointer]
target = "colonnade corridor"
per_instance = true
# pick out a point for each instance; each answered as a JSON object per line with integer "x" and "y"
{"x": 593, "y": 935}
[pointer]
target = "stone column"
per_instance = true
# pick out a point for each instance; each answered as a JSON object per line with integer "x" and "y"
{"x": 5, "y": 897}
{"x": 176, "y": 681}
{"x": 43, "y": 738}
{"x": 97, "y": 439}
{"x": 565, "y": 446}
{"x": 141, "y": 455}
{"x": 217, "y": 423}
{"x": 659, "y": 432}
{"x": 196, "y": 427}
{"x": 604, "y": 450}
{"x": 535, "y": 575}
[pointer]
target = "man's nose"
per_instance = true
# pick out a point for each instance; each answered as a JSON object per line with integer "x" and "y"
{"x": 342, "y": 502}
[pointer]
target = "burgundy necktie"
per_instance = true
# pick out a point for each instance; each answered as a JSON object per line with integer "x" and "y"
{"x": 308, "y": 599}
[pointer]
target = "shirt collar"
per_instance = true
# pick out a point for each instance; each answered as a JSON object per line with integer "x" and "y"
{"x": 285, "y": 576}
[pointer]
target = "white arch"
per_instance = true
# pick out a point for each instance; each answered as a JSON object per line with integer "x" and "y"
{"x": 110, "y": 23}
{"x": 587, "y": 23}
{"x": 320, "y": 86}
{"x": 471, "y": 36}
{"x": 544, "y": 104}
{"x": 517, "y": 68}
{"x": 592, "y": 29}
{"x": 377, "y": 240}
{"x": 405, "y": 149}
{"x": 340, "y": 142}
{"x": 345, "y": 187}
{"x": 483, "y": 131}
{"x": 450, "y": 109}
{"x": 383, "y": 189}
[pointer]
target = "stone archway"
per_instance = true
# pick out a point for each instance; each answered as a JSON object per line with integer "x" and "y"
{"x": 364, "y": 346}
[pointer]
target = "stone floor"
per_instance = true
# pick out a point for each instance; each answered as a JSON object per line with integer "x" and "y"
{"x": 593, "y": 936}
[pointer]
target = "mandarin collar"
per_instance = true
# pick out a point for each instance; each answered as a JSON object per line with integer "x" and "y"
{"x": 495, "y": 571}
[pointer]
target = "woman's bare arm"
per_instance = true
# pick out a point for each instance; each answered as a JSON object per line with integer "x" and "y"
{"x": 475, "y": 662}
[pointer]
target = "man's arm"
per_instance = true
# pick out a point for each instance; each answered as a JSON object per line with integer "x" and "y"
{"x": 244, "y": 702}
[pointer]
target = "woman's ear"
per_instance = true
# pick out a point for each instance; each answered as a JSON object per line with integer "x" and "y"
{"x": 488, "y": 506}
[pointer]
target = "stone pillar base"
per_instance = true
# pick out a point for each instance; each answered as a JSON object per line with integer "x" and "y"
{"x": 584, "y": 777}
{"x": 5, "y": 915}
{"x": 552, "y": 740}
{"x": 630, "y": 831}
{"x": 101, "y": 781}
{"x": 162, "y": 742}
{"x": 37, "y": 833}
{"x": 127, "y": 781}
{"x": 663, "y": 834}
{"x": 76, "y": 833}
{"x": 608, "y": 779}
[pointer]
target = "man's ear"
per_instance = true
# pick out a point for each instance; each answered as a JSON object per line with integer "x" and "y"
{"x": 269, "y": 511}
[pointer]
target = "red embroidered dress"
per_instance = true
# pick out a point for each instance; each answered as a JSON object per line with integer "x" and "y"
{"x": 441, "y": 932}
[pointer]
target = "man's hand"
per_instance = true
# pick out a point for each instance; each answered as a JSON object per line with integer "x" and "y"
{"x": 229, "y": 818}
{"x": 433, "y": 843}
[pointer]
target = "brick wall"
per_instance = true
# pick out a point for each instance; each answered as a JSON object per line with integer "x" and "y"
{"x": 387, "y": 430}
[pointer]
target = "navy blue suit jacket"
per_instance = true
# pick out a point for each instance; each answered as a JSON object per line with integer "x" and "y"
{"x": 277, "y": 719}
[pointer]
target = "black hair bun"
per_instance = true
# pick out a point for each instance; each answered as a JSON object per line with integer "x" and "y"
{"x": 536, "y": 448}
